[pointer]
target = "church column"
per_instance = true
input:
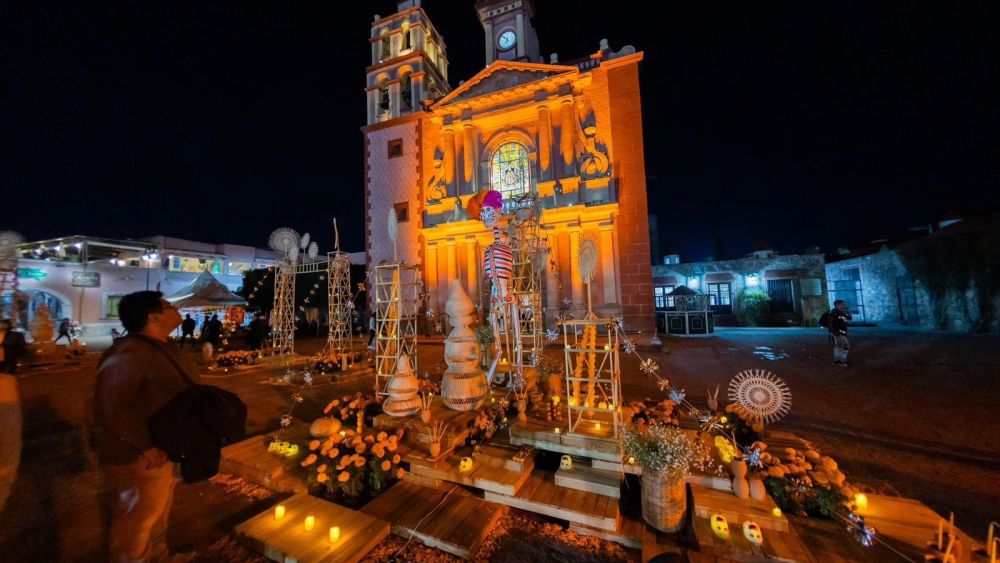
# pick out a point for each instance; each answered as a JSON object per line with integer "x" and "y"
{"x": 394, "y": 99}
{"x": 449, "y": 159}
{"x": 544, "y": 142}
{"x": 490, "y": 56}
{"x": 433, "y": 285}
{"x": 472, "y": 263}
{"x": 567, "y": 135}
{"x": 471, "y": 157}
{"x": 579, "y": 298}
{"x": 608, "y": 265}
{"x": 417, "y": 90}
{"x": 519, "y": 22}
{"x": 452, "y": 262}
{"x": 376, "y": 51}
{"x": 460, "y": 159}
{"x": 372, "y": 94}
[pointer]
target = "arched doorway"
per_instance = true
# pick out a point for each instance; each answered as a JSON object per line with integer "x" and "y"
{"x": 59, "y": 307}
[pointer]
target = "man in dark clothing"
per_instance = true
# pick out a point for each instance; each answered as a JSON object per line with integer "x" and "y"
{"x": 11, "y": 347}
{"x": 136, "y": 377}
{"x": 214, "y": 330}
{"x": 187, "y": 330}
{"x": 837, "y": 325}
{"x": 64, "y": 327}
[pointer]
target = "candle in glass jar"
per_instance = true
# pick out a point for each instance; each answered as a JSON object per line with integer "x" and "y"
{"x": 279, "y": 512}
{"x": 310, "y": 523}
{"x": 334, "y": 534}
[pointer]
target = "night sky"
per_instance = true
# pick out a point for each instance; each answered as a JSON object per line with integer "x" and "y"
{"x": 791, "y": 124}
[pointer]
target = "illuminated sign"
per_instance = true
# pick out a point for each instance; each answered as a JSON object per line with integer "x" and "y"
{"x": 32, "y": 273}
{"x": 86, "y": 279}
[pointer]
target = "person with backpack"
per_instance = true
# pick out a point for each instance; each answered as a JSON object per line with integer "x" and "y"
{"x": 835, "y": 321}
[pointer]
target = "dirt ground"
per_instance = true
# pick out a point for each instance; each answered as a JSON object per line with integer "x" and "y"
{"x": 911, "y": 416}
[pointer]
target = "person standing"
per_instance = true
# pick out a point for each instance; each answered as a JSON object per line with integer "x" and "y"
{"x": 136, "y": 377}
{"x": 187, "y": 330}
{"x": 64, "y": 327}
{"x": 836, "y": 323}
{"x": 371, "y": 331}
{"x": 11, "y": 347}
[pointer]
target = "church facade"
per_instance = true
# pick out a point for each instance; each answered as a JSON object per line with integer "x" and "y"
{"x": 568, "y": 135}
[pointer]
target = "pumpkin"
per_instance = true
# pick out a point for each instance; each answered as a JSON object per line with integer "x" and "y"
{"x": 323, "y": 427}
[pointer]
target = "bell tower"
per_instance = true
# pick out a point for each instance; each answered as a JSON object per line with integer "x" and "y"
{"x": 508, "y": 30}
{"x": 409, "y": 63}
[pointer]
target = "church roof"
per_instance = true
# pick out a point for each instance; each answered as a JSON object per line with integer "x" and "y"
{"x": 205, "y": 291}
{"x": 503, "y": 75}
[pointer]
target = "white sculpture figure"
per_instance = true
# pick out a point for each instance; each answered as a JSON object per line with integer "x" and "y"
{"x": 403, "y": 389}
{"x": 464, "y": 386}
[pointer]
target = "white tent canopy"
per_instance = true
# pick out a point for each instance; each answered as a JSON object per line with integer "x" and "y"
{"x": 205, "y": 291}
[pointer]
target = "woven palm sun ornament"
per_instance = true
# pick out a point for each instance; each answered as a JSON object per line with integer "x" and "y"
{"x": 284, "y": 240}
{"x": 761, "y": 396}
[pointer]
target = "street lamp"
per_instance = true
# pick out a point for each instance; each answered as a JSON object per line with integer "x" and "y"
{"x": 148, "y": 258}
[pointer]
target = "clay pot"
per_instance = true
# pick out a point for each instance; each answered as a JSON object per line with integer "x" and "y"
{"x": 741, "y": 487}
{"x": 323, "y": 427}
{"x": 757, "y": 490}
{"x": 435, "y": 449}
{"x": 522, "y": 410}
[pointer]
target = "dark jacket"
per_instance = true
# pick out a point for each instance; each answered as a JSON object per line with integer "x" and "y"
{"x": 838, "y": 322}
{"x": 195, "y": 426}
{"x": 13, "y": 349}
{"x": 136, "y": 377}
{"x": 188, "y": 326}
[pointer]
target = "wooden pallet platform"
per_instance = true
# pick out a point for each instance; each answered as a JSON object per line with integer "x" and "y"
{"x": 541, "y": 495}
{"x": 709, "y": 481}
{"x": 287, "y": 540}
{"x": 458, "y": 421}
{"x": 908, "y": 521}
{"x": 542, "y": 435}
{"x": 489, "y": 472}
{"x": 707, "y": 502}
{"x": 777, "y": 546}
{"x": 458, "y": 526}
{"x": 250, "y": 460}
{"x": 629, "y": 532}
{"x": 588, "y": 479}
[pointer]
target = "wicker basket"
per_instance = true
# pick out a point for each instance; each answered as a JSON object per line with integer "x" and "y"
{"x": 664, "y": 499}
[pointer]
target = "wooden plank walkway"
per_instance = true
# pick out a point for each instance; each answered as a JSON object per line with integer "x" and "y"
{"x": 250, "y": 460}
{"x": 416, "y": 429}
{"x": 707, "y": 502}
{"x": 542, "y": 435}
{"x": 490, "y": 471}
{"x": 541, "y": 495}
{"x": 777, "y": 546}
{"x": 287, "y": 540}
{"x": 456, "y": 523}
{"x": 588, "y": 479}
{"x": 908, "y": 521}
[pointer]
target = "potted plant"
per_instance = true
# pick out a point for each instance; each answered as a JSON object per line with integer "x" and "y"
{"x": 666, "y": 454}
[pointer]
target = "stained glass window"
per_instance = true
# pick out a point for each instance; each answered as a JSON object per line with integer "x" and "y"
{"x": 509, "y": 172}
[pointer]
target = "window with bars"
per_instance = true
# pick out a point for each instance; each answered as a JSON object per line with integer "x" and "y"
{"x": 661, "y": 297}
{"x": 509, "y": 170}
{"x": 720, "y": 297}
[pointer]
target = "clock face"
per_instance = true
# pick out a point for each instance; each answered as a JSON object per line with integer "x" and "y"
{"x": 507, "y": 40}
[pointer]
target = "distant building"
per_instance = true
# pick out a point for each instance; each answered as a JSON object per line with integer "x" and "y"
{"x": 84, "y": 278}
{"x": 890, "y": 282}
{"x": 796, "y": 285}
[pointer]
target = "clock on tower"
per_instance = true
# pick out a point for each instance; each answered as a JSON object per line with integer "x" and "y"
{"x": 509, "y": 34}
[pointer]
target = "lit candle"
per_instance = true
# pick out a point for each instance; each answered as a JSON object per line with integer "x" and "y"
{"x": 602, "y": 405}
{"x": 776, "y": 511}
{"x": 607, "y": 346}
{"x": 861, "y": 501}
{"x": 597, "y": 426}
{"x": 558, "y": 430}
{"x": 310, "y": 523}
{"x": 631, "y": 460}
{"x": 279, "y": 512}
{"x": 555, "y": 400}
{"x": 334, "y": 534}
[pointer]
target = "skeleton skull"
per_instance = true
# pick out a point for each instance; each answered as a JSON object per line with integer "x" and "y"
{"x": 720, "y": 527}
{"x": 566, "y": 462}
{"x": 465, "y": 464}
{"x": 752, "y": 532}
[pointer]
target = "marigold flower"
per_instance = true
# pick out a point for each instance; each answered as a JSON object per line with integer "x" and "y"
{"x": 392, "y": 446}
{"x": 370, "y": 439}
{"x": 386, "y": 465}
{"x": 313, "y": 445}
{"x": 361, "y": 448}
{"x": 322, "y": 468}
{"x": 344, "y": 477}
{"x": 360, "y": 462}
{"x": 395, "y": 459}
{"x": 322, "y": 478}
{"x": 382, "y": 436}
{"x": 334, "y": 453}
{"x": 399, "y": 473}
{"x": 378, "y": 450}
{"x": 309, "y": 460}
{"x": 345, "y": 460}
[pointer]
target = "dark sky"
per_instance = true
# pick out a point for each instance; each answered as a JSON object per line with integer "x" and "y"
{"x": 794, "y": 124}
